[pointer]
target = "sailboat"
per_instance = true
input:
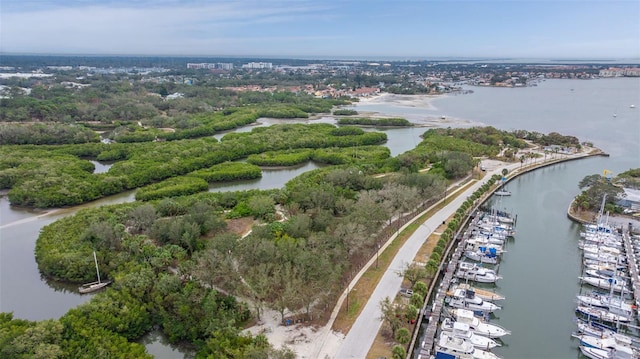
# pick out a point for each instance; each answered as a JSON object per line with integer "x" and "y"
{"x": 93, "y": 286}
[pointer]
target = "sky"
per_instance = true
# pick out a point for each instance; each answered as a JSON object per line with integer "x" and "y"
{"x": 411, "y": 29}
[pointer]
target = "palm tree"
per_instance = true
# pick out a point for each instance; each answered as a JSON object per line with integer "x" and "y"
{"x": 431, "y": 266}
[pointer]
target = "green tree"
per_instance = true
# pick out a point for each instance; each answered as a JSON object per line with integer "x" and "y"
{"x": 413, "y": 273}
{"x": 432, "y": 266}
{"x": 398, "y": 352}
{"x": 403, "y": 336}
{"x": 420, "y": 288}
{"x": 416, "y": 300}
{"x": 390, "y": 313}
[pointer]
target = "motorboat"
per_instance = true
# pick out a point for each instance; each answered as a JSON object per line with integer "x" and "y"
{"x": 615, "y": 305}
{"x": 507, "y": 231}
{"x": 602, "y": 314}
{"x": 474, "y": 272}
{"x": 502, "y": 192}
{"x": 467, "y": 299}
{"x": 482, "y": 293}
{"x": 481, "y": 256}
{"x": 595, "y": 353}
{"x": 478, "y": 242}
{"x": 449, "y": 346}
{"x": 462, "y": 330}
{"x": 599, "y": 330}
{"x": 492, "y": 237}
{"x": 478, "y": 325}
{"x": 602, "y": 343}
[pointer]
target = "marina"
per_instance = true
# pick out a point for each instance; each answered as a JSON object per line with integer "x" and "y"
{"x": 606, "y": 323}
{"x": 460, "y": 306}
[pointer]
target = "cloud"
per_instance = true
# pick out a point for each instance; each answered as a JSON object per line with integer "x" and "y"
{"x": 144, "y": 27}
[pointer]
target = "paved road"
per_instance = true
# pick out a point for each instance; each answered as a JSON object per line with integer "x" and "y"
{"x": 361, "y": 336}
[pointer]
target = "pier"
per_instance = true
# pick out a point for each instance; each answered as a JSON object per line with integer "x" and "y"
{"x": 632, "y": 264}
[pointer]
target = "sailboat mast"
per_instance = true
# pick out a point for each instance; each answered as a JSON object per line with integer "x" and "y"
{"x": 96, "y": 261}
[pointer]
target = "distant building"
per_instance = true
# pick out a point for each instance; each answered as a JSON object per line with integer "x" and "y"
{"x": 631, "y": 201}
{"x": 60, "y": 68}
{"x": 258, "y": 65}
{"x": 620, "y": 72}
{"x": 210, "y": 66}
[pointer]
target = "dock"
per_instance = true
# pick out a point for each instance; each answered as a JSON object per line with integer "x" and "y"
{"x": 426, "y": 346}
{"x": 633, "y": 266}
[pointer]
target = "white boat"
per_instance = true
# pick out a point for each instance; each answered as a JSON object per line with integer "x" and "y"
{"x": 502, "y": 192}
{"x": 632, "y": 106}
{"x": 501, "y": 229}
{"x": 617, "y": 276}
{"x": 600, "y": 241}
{"x": 467, "y": 299}
{"x": 471, "y": 271}
{"x": 462, "y": 330}
{"x": 504, "y": 218}
{"x": 478, "y": 325}
{"x": 604, "y": 257}
{"x": 459, "y": 348}
{"x": 476, "y": 242}
{"x": 94, "y": 286}
{"x": 601, "y": 248}
{"x": 602, "y": 343}
{"x": 482, "y": 257}
{"x": 609, "y": 284}
{"x": 602, "y": 314}
{"x": 595, "y": 353}
{"x": 600, "y": 331}
{"x": 613, "y": 304}
{"x": 604, "y": 266}
{"x": 594, "y": 263}
{"x": 491, "y": 237}
{"x": 482, "y": 293}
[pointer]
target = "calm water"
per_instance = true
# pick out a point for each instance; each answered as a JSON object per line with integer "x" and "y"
{"x": 542, "y": 265}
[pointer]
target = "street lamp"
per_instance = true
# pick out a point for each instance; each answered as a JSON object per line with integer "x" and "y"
{"x": 377, "y": 251}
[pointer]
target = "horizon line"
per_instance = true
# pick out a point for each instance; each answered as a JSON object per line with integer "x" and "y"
{"x": 336, "y": 57}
